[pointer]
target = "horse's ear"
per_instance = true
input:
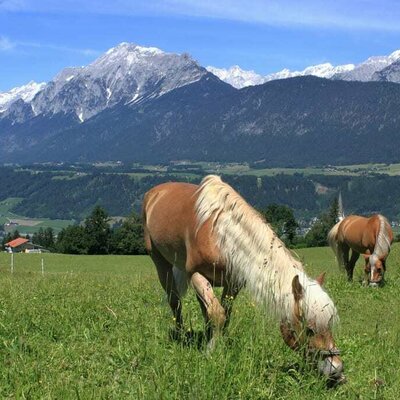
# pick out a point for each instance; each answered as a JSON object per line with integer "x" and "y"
{"x": 366, "y": 256}
{"x": 297, "y": 289}
{"x": 321, "y": 279}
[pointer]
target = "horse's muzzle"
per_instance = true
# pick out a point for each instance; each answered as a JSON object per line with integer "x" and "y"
{"x": 376, "y": 284}
{"x": 332, "y": 368}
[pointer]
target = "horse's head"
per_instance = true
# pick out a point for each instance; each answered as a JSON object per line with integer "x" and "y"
{"x": 309, "y": 329}
{"x": 375, "y": 268}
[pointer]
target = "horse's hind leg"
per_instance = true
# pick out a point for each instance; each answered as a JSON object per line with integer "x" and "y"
{"x": 352, "y": 262}
{"x": 343, "y": 258}
{"x": 213, "y": 312}
{"x": 166, "y": 277}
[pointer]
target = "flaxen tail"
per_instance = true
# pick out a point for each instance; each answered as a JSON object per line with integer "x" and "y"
{"x": 340, "y": 216}
{"x": 334, "y": 244}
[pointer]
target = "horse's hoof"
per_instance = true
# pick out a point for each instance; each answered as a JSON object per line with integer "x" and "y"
{"x": 175, "y": 335}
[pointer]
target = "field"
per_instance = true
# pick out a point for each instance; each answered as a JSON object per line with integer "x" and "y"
{"x": 97, "y": 327}
{"x": 26, "y": 225}
{"x": 347, "y": 170}
{"x": 196, "y": 169}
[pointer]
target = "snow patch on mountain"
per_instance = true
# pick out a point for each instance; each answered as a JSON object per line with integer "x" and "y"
{"x": 365, "y": 71}
{"x": 236, "y": 76}
{"x": 389, "y": 74}
{"x": 26, "y": 93}
{"x": 325, "y": 70}
{"x": 240, "y": 78}
{"x": 123, "y": 73}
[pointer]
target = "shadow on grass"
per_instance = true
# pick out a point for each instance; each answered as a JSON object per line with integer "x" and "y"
{"x": 197, "y": 339}
{"x": 194, "y": 339}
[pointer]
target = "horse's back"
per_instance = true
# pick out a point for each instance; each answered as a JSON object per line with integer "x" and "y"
{"x": 170, "y": 225}
{"x": 360, "y": 232}
{"x": 168, "y": 213}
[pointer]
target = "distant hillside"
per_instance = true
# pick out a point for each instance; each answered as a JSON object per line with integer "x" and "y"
{"x": 73, "y": 195}
{"x": 292, "y": 122}
{"x": 140, "y": 104}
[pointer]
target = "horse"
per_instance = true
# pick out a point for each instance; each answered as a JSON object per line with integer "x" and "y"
{"x": 208, "y": 236}
{"x": 371, "y": 237}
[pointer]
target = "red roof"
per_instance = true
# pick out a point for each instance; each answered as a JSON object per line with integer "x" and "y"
{"x": 17, "y": 242}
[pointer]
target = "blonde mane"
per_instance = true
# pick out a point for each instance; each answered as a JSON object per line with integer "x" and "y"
{"x": 256, "y": 257}
{"x": 382, "y": 245}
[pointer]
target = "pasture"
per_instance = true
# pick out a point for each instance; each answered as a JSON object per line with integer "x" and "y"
{"x": 27, "y": 225}
{"x": 94, "y": 327}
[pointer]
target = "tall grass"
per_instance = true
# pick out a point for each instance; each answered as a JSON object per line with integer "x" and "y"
{"x": 96, "y": 327}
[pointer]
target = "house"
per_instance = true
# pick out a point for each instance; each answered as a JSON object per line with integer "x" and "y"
{"x": 21, "y": 245}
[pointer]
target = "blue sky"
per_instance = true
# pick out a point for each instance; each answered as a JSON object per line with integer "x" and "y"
{"x": 40, "y": 37}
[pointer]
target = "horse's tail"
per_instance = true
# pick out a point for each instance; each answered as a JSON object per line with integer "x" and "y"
{"x": 340, "y": 216}
{"x": 334, "y": 244}
{"x": 146, "y": 236}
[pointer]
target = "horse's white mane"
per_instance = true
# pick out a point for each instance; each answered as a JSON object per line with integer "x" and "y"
{"x": 255, "y": 256}
{"x": 382, "y": 245}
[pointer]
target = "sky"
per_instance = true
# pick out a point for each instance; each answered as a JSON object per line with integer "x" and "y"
{"x": 38, "y": 38}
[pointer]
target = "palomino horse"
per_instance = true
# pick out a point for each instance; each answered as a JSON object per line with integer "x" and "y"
{"x": 371, "y": 237}
{"x": 209, "y": 236}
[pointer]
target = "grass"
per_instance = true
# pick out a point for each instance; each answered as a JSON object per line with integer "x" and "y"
{"x": 96, "y": 327}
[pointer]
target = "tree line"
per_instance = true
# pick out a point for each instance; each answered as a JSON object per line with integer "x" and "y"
{"x": 60, "y": 195}
{"x": 96, "y": 236}
{"x": 93, "y": 236}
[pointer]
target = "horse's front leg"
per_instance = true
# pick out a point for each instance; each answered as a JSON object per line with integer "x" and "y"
{"x": 229, "y": 294}
{"x": 213, "y": 312}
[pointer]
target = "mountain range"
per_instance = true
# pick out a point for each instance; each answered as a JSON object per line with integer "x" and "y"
{"x": 368, "y": 70}
{"x": 141, "y": 104}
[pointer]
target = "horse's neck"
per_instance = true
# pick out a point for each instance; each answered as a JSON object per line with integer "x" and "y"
{"x": 265, "y": 265}
{"x": 382, "y": 243}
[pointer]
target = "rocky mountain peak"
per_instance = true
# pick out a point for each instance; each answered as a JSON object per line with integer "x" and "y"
{"x": 127, "y": 73}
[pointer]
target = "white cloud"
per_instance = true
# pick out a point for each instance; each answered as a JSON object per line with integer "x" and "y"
{"x": 85, "y": 52}
{"x": 339, "y": 14}
{"x": 342, "y": 14}
{"x": 6, "y": 44}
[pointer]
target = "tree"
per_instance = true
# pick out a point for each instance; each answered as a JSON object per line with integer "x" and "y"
{"x": 96, "y": 237}
{"x": 44, "y": 238}
{"x": 282, "y": 220}
{"x": 72, "y": 240}
{"x": 5, "y": 240}
{"x": 128, "y": 238}
{"x": 317, "y": 235}
{"x": 49, "y": 241}
{"x": 97, "y": 231}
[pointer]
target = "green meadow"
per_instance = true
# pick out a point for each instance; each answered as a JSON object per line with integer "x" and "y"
{"x": 27, "y": 225}
{"x": 97, "y": 327}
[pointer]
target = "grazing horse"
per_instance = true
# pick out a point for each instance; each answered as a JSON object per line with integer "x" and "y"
{"x": 209, "y": 236}
{"x": 371, "y": 237}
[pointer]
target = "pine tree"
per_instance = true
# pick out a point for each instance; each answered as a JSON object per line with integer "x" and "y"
{"x": 317, "y": 235}
{"x": 97, "y": 231}
{"x": 282, "y": 220}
